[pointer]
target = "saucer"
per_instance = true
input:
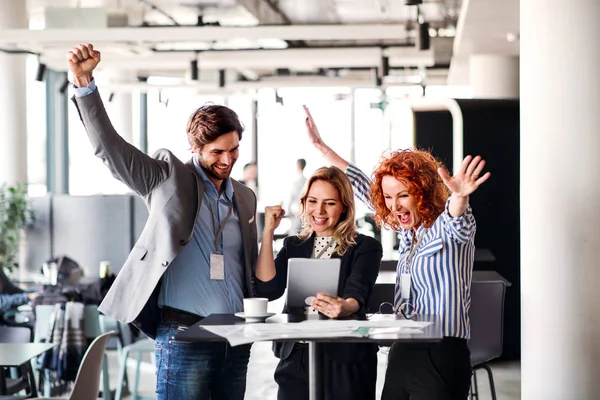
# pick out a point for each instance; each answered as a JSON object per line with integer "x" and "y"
{"x": 254, "y": 318}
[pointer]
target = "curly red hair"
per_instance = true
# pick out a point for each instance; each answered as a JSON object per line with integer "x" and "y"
{"x": 417, "y": 169}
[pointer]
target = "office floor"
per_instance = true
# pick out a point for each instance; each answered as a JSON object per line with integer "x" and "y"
{"x": 260, "y": 384}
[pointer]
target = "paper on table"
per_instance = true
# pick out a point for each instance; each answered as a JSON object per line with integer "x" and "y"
{"x": 237, "y": 335}
{"x": 243, "y": 334}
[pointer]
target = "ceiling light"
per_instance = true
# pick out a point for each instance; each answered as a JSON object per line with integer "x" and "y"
{"x": 41, "y": 72}
{"x": 63, "y": 87}
{"x": 385, "y": 66}
{"x": 423, "y": 39}
{"x": 194, "y": 70}
{"x": 221, "y": 78}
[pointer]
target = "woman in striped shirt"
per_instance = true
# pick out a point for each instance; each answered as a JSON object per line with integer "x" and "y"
{"x": 413, "y": 193}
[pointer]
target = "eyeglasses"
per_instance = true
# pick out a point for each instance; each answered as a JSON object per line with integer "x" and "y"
{"x": 406, "y": 309}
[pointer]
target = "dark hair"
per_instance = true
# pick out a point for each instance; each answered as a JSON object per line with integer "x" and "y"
{"x": 209, "y": 122}
{"x": 246, "y": 166}
{"x": 302, "y": 163}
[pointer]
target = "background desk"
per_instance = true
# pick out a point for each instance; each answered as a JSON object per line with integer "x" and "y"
{"x": 16, "y": 354}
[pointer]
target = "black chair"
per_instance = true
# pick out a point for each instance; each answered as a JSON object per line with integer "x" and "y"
{"x": 382, "y": 293}
{"x": 487, "y": 320}
{"x": 388, "y": 265}
{"x": 26, "y": 379}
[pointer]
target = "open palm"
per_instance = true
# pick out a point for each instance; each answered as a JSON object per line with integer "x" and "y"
{"x": 467, "y": 179}
{"x": 311, "y": 129}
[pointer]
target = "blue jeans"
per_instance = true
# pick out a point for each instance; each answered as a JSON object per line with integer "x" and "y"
{"x": 198, "y": 371}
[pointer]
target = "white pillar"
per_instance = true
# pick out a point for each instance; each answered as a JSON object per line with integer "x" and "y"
{"x": 560, "y": 199}
{"x": 13, "y": 118}
{"x": 120, "y": 108}
{"x": 494, "y": 76}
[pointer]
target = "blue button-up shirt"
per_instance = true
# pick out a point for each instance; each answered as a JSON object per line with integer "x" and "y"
{"x": 186, "y": 284}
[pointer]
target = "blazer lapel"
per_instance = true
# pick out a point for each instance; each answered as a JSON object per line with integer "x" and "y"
{"x": 302, "y": 248}
{"x": 245, "y": 216}
{"x": 200, "y": 186}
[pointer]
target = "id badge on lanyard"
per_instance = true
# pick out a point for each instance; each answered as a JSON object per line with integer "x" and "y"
{"x": 217, "y": 260}
{"x": 405, "y": 285}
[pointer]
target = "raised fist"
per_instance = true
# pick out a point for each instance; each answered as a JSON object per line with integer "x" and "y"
{"x": 82, "y": 60}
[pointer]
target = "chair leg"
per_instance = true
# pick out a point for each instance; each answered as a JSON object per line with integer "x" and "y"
{"x": 136, "y": 383}
{"x": 32, "y": 384}
{"x": 47, "y": 383}
{"x": 474, "y": 395}
{"x": 105, "y": 380}
{"x": 491, "y": 379}
{"x": 122, "y": 373}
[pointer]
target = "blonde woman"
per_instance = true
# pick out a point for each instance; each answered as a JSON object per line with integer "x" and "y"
{"x": 328, "y": 231}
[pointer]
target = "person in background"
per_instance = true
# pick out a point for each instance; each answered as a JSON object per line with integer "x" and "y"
{"x": 197, "y": 252}
{"x": 414, "y": 194}
{"x": 8, "y": 301}
{"x": 12, "y": 296}
{"x": 328, "y": 231}
{"x": 293, "y": 204}
{"x": 249, "y": 176}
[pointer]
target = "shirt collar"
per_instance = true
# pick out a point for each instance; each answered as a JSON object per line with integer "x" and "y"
{"x": 408, "y": 236}
{"x": 228, "y": 192}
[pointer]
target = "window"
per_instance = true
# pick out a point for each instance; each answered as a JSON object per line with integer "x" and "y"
{"x": 87, "y": 174}
{"x": 242, "y": 105}
{"x": 282, "y": 137}
{"x": 168, "y": 114}
{"x": 36, "y": 130}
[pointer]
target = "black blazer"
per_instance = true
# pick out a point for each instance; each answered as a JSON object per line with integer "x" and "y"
{"x": 358, "y": 273}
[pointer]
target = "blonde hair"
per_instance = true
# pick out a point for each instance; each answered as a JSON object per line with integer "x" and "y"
{"x": 345, "y": 231}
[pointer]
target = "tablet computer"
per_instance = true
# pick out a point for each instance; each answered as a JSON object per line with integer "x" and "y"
{"x": 307, "y": 277}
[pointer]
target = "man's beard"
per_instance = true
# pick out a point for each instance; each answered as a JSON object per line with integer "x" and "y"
{"x": 212, "y": 171}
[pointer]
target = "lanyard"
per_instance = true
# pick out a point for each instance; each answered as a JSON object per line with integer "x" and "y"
{"x": 324, "y": 249}
{"x": 413, "y": 249}
{"x": 219, "y": 231}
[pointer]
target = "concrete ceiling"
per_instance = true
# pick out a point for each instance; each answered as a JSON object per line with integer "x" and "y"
{"x": 470, "y": 27}
{"x": 484, "y": 27}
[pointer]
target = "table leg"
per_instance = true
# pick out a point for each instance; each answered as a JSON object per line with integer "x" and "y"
{"x": 2, "y": 381}
{"x": 28, "y": 371}
{"x": 315, "y": 371}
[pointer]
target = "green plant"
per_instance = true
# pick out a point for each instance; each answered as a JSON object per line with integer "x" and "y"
{"x": 15, "y": 214}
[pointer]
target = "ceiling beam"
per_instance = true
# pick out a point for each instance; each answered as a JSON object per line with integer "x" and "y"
{"x": 264, "y": 12}
{"x": 295, "y": 59}
{"x": 23, "y": 37}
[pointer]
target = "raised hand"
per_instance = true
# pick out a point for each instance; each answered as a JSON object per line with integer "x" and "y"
{"x": 468, "y": 178}
{"x": 315, "y": 137}
{"x": 82, "y": 61}
{"x": 273, "y": 216}
{"x": 313, "y": 132}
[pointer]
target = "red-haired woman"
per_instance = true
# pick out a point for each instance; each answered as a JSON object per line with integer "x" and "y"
{"x": 413, "y": 193}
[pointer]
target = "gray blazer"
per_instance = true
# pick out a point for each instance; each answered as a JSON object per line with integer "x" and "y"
{"x": 173, "y": 193}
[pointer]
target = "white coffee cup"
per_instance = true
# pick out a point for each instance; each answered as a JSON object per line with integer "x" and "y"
{"x": 255, "y": 307}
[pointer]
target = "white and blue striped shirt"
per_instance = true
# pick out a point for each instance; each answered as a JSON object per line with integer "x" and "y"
{"x": 442, "y": 265}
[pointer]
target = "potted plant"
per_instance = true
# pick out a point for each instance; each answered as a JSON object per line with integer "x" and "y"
{"x": 15, "y": 215}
